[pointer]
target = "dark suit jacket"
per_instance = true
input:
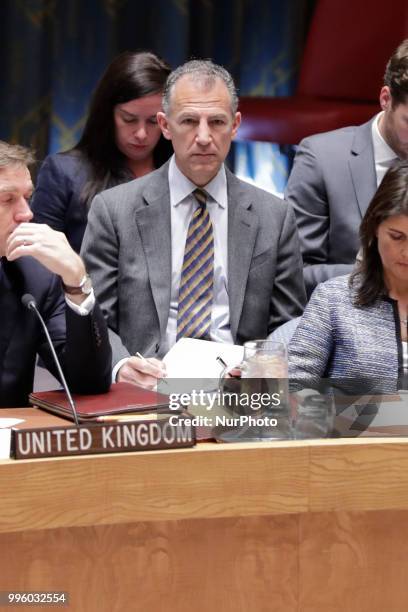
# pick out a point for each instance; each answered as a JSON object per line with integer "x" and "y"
{"x": 127, "y": 250}
{"x": 330, "y": 187}
{"x": 57, "y": 197}
{"x": 56, "y": 200}
{"x": 81, "y": 342}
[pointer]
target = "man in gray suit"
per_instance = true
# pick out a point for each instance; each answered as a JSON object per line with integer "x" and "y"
{"x": 168, "y": 260}
{"x": 336, "y": 174}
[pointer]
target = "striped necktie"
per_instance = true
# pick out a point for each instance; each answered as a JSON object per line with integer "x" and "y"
{"x": 197, "y": 275}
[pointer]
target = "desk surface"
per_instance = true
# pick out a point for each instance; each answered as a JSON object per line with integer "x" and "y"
{"x": 208, "y": 481}
{"x": 282, "y": 526}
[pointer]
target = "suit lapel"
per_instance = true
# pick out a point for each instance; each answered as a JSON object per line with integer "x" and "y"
{"x": 153, "y": 221}
{"x": 242, "y": 231}
{"x": 362, "y": 166}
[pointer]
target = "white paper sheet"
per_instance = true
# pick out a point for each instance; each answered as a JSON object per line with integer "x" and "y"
{"x": 5, "y": 435}
{"x": 192, "y": 358}
{"x": 196, "y": 360}
{"x": 5, "y": 441}
{"x": 5, "y": 422}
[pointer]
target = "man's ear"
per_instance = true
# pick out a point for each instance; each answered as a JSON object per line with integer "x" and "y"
{"x": 385, "y": 97}
{"x": 163, "y": 124}
{"x": 236, "y": 123}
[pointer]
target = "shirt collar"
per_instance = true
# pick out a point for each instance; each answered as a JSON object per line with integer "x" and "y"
{"x": 382, "y": 151}
{"x": 181, "y": 187}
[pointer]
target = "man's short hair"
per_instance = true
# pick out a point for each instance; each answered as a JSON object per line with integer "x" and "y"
{"x": 15, "y": 155}
{"x": 396, "y": 74}
{"x": 204, "y": 71}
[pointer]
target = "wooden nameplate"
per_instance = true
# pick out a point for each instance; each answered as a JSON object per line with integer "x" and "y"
{"x": 92, "y": 438}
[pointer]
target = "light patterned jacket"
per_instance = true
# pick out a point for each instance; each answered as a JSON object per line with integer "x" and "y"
{"x": 337, "y": 339}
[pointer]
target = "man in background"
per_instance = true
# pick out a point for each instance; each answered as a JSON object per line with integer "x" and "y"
{"x": 34, "y": 259}
{"x": 336, "y": 174}
{"x": 190, "y": 250}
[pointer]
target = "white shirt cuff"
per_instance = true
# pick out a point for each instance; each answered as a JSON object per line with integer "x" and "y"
{"x": 117, "y": 368}
{"x": 85, "y": 308}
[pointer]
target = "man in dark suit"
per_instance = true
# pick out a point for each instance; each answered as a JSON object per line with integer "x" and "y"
{"x": 336, "y": 174}
{"x": 190, "y": 250}
{"x": 31, "y": 257}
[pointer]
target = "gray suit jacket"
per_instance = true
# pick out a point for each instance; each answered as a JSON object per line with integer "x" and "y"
{"x": 330, "y": 187}
{"x": 127, "y": 250}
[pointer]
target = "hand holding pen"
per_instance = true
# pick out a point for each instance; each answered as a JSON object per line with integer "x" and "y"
{"x": 143, "y": 371}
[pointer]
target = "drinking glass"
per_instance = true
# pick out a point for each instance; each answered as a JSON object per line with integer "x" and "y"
{"x": 261, "y": 410}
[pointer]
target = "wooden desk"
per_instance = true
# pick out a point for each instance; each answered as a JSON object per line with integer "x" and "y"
{"x": 305, "y": 526}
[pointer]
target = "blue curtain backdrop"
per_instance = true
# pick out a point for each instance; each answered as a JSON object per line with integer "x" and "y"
{"x": 55, "y": 50}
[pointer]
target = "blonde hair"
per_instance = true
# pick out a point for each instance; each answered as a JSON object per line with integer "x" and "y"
{"x": 12, "y": 154}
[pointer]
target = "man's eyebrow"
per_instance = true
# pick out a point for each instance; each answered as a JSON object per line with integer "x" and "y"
{"x": 13, "y": 188}
{"x": 211, "y": 115}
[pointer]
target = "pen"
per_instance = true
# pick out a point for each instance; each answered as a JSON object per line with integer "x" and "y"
{"x": 221, "y": 361}
{"x": 127, "y": 417}
{"x": 144, "y": 359}
{"x": 225, "y": 366}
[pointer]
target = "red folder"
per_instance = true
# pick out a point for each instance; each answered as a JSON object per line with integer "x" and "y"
{"x": 120, "y": 399}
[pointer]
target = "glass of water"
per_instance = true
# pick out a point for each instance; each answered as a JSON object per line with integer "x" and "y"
{"x": 261, "y": 408}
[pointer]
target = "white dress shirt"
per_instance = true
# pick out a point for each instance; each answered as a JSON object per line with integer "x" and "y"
{"x": 384, "y": 156}
{"x": 85, "y": 307}
{"x": 183, "y": 204}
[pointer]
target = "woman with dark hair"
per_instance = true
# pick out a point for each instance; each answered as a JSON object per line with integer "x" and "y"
{"x": 121, "y": 141}
{"x": 355, "y": 326}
